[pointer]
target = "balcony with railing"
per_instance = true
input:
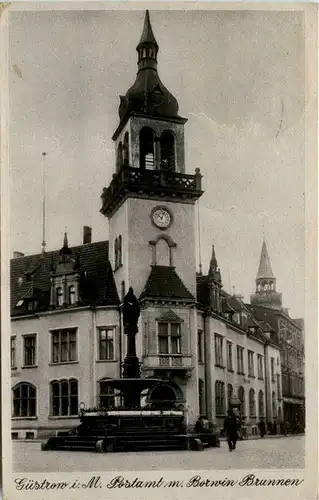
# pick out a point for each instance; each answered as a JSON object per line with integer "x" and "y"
{"x": 168, "y": 361}
{"x": 153, "y": 183}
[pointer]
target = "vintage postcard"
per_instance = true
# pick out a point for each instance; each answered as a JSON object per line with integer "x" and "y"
{"x": 158, "y": 250}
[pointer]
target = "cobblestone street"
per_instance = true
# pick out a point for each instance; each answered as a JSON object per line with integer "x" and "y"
{"x": 275, "y": 453}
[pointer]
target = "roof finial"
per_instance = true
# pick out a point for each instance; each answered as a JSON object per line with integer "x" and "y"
{"x": 147, "y": 35}
{"x": 65, "y": 240}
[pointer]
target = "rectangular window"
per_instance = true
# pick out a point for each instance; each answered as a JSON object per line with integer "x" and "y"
{"x": 13, "y": 353}
{"x": 29, "y": 350}
{"x": 64, "y": 346}
{"x": 169, "y": 338}
{"x": 240, "y": 360}
{"x": 219, "y": 350}
{"x": 230, "y": 356}
{"x": 260, "y": 367}
{"x": 272, "y": 361}
{"x": 251, "y": 364}
{"x": 200, "y": 346}
{"x": 106, "y": 344}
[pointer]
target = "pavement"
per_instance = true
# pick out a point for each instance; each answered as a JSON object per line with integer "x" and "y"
{"x": 268, "y": 453}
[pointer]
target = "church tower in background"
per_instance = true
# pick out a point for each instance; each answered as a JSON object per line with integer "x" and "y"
{"x": 266, "y": 294}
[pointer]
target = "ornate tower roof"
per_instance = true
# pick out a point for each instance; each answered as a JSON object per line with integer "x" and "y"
{"x": 264, "y": 270}
{"x": 148, "y": 95}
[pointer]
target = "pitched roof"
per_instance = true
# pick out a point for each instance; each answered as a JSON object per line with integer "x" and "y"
{"x": 32, "y": 273}
{"x": 164, "y": 283}
{"x": 264, "y": 270}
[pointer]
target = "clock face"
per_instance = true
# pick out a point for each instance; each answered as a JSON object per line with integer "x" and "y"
{"x": 161, "y": 217}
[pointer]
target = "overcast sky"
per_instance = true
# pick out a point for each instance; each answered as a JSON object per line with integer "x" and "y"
{"x": 239, "y": 79}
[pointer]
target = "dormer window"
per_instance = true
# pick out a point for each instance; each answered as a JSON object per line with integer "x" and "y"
{"x": 59, "y": 296}
{"x": 72, "y": 295}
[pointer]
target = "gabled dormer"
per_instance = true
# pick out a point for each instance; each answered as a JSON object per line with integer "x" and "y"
{"x": 65, "y": 278}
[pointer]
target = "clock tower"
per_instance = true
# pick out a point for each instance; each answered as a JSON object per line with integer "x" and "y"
{"x": 150, "y": 200}
{"x": 150, "y": 205}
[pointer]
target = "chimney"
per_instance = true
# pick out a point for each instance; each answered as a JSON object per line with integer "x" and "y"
{"x": 17, "y": 255}
{"x": 87, "y": 235}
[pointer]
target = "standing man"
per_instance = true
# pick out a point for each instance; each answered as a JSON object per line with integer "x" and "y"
{"x": 262, "y": 427}
{"x": 230, "y": 427}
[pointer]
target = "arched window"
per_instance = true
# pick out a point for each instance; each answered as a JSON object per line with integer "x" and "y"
{"x": 220, "y": 398}
{"x": 71, "y": 295}
{"x": 116, "y": 253}
{"x": 167, "y": 151}
{"x": 120, "y": 250}
{"x": 147, "y": 148}
{"x": 59, "y": 296}
{"x": 252, "y": 404}
{"x": 274, "y": 406}
{"x": 241, "y": 397}
{"x": 119, "y": 158}
{"x": 126, "y": 151}
{"x": 261, "y": 407}
{"x": 24, "y": 400}
{"x": 201, "y": 397}
{"x": 64, "y": 398}
{"x": 229, "y": 395}
{"x": 106, "y": 395}
{"x": 163, "y": 251}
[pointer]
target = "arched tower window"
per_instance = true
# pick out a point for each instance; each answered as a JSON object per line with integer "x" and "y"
{"x": 117, "y": 252}
{"x": 126, "y": 151}
{"x": 120, "y": 250}
{"x": 163, "y": 257}
{"x": 167, "y": 151}
{"x": 119, "y": 158}
{"x": 147, "y": 148}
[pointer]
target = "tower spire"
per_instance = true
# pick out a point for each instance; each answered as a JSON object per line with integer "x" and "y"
{"x": 266, "y": 294}
{"x": 147, "y": 34}
{"x": 213, "y": 262}
{"x": 264, "y": 270}
{"x": 65, "y": 241}
{"x": 214, "y": 271}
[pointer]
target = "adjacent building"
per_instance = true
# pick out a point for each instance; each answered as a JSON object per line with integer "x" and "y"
{"x": 266, "y": 305}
